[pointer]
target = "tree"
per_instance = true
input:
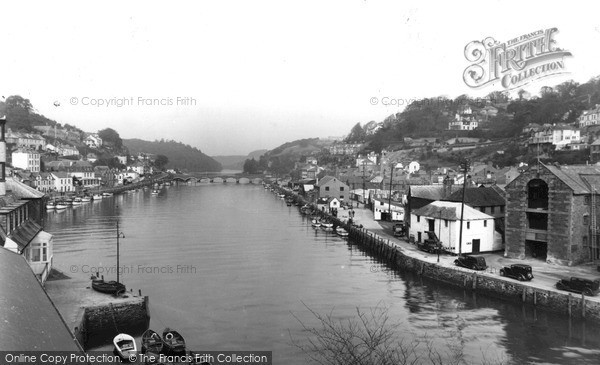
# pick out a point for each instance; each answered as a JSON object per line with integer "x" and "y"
{"x": 369, "y": 338}
{"x": 161, "y": 161}
{"x": 112, "y": 137}
{"x": 357, "y": 134}
{"x": 251, "y": 166}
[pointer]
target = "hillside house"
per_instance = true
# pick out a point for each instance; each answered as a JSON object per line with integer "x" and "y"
{"x": 330, "y": 186}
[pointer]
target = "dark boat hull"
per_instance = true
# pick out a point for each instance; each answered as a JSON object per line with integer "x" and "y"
{"x": 151, "y": 342}
{"x": 173, "y": 342}
{"x": 108, "y": 287}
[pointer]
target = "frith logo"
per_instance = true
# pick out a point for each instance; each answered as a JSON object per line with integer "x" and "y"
{"x": 516, "y": 62}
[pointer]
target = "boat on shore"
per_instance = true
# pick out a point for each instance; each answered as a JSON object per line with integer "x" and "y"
{"x": 315, "y": 223}
{"x": 173, "y": 342}
{"x": 108, "y": 287}
{"x": 341, "y": 231}
{"x": 125, "y": 347}
{"x": 325, "y": 224}
{"x": 151, "y": 342}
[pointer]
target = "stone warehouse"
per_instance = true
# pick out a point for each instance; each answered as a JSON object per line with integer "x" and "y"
{"x": 552, "y": 213}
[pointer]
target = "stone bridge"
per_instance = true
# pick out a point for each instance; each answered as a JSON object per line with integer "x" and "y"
{"x": 225, "y": 179}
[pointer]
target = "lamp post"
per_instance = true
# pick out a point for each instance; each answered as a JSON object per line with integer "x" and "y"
{"x": 465, "y": 166}
{"x": 119, "y": 235}
{"x": 390, "y": 197}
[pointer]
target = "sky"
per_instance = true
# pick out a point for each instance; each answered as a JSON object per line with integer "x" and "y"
{"x": 231, "y": 77}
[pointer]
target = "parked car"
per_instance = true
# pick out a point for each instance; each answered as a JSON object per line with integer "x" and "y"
{"x": 399, "y": 229}
{"x": 517, "y": 271}
{"x": 471, "y": 262}
{"x": 579, "y": 285}
{"x": 430, "y": 244}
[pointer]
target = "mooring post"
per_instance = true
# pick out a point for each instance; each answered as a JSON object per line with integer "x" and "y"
{"x": 524, "y": 294}
{"x": 534, "y": 297}
{"x": 569, "y": 305}
{"x": 582, "y": 305}
{"x": 474, "y": 281}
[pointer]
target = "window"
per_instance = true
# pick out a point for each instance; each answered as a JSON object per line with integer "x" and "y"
{"x": 341, "y": 188}
{"x": 39, "y": 252}
{"x": 492, "y": 209}
{"x": 418, "y": 219}
{"x": 468, "y": 225}
{"x": 341, "y": 197}
{"x": 485, "y": 223}
{"x": 327, "y": 188}
{"x": 502, "y": 209}
{"x": 586, "y": 219}
{"x": 446, "y": 223}
{"x": 586, "y": 200}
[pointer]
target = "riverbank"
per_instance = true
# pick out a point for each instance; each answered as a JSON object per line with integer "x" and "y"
{"x": 376, "y": 238}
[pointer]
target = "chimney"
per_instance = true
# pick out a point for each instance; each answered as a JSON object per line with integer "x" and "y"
{"x": 2, "y": 156}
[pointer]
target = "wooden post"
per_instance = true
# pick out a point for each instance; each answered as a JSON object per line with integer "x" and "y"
{"x": 534, "y": 297}
{"x": 524, "y": 294}
{"x": 474, "y": 281}
{"x": 569, "y": 305}
{"x": 582, "y": 305}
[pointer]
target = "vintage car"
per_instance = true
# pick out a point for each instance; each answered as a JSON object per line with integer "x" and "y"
{"x": 471, "y": 262}
{"x": 517, "y": 271}
{"x": 430, "y": 244}
{"x": 579, "y": 285}
{"x": 399, "y": 229}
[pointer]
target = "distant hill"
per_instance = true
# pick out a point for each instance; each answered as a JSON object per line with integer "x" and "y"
{"x": 181, "y": 156}
{"x": 236, "y": 162}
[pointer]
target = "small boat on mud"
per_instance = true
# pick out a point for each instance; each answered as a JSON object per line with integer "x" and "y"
{"x": 173, "y": 342}
{"x": 108, "y": 287}
{"x": 154, "y": 192}
{"x": 151, "y": 342}
{"x": 125, "y": 346}
{"x": 341, "y": 231}
{"x": 325, "y": 224}
{"x": 315, "y": 223}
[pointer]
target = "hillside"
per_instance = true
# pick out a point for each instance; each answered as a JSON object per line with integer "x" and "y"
{"x": 236, "y": 162}
{"x": 181, "y": 156}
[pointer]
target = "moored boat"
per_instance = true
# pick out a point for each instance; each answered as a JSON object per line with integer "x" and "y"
{"x": 50, "y": 205}
{"x": 326, "y": 224}
{"x": 173, "y": 342}
{"x": 86, "y": 199}
{"x": 77, "y": 201}
{"x": 341, "y": 231}
{"x": 154, "y": 192}
{"x": 97, "y": 197}
{"x": 107, "y": 194}
{"x": 108, "y": 287}
{"x": 151, "y": 342}
{"x": 60, "y": 205}
{"x": 125, "y": 346}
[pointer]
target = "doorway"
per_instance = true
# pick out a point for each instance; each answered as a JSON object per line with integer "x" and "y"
{"x": 476, "y": 246}
{"x": 536, "y": 249}
{"x": 431, "y": 223}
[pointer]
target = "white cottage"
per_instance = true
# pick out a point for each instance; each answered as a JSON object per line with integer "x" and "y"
{"x": 443, "y": 218}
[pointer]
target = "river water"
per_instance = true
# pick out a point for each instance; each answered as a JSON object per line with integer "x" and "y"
{"x": 231, "y": 267}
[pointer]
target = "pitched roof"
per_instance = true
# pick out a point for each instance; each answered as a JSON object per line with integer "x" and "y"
{"x": 578, "y": 177}
{"x": 478, "y": 197}
{"x": 431, "y": 192}
{"x": 22, "y": 190}
{"x": 450, "y": 211}
{"x": 30, "y": 322}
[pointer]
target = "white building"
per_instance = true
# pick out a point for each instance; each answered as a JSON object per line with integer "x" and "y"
{"x": 589, "y": 117}
{"x": 382, "y": 207}
{"x": 93, "y": 141}
{"x": 560, "y": 135}
{"x": 26, "y": 159}
{"x": 62, "y": 182}
{"x": 443, "y": 218}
